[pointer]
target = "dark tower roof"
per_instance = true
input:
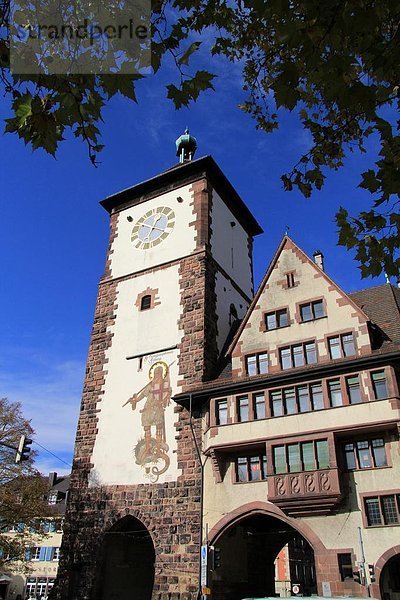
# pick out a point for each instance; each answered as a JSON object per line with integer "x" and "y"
{"x": 183, "y": 174}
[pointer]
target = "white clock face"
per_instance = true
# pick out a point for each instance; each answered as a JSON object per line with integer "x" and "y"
{"x": 153, "y": 227}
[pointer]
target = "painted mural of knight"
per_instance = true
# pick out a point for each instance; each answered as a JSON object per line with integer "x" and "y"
{"x": 151, "y": 451}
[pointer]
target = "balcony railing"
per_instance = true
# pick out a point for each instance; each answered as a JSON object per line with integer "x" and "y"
{"x": 310, "y": 492}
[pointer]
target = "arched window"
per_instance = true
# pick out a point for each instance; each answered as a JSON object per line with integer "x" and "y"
{"x": 145, "y": 302}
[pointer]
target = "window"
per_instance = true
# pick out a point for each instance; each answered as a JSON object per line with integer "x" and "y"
{"x": 379, "y": 385}
{"x": 56, "y": 554}
{"x": 243, "y": 408}
{"x": 298, "y": 355}
{"x": 259, "y": 406}
{"x": 345, "y": 566}
{"x": 277, "y": 319}
{"x": 312, "y": 310}
{"x": 383, "y": 510}
{"x": 251, "y": 468}
{"x": 257, "y": 364}
{"x": 53, "y": 497}
{"x": 290, "y": 282}
{"x": 303, "y": 456}
{"x": 277, "y": 403}
{"x": 302, "y": 398}
{"x": 35, "y": 553}
{"x": 365, "y": 454}
{"x": 221, "y": 412}
{"x": 317, "y": 398}
{"x": 335, "y": 392}
{"x": 341, "y": 346}
{"x": 354, "y": 390}
{"x": 145, "y": 302}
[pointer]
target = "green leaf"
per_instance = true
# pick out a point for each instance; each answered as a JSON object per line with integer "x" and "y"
{"x": 23, "y": 108}
{"x": 184, "y": 59}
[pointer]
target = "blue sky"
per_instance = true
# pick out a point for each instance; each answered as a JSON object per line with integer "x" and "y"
{"x": 55, "y": 234}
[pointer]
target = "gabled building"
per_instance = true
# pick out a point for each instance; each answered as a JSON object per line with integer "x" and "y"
{"x": 36, "y": 578}
{"x": 221, "y": 432}
{"x": 301, "y": 436}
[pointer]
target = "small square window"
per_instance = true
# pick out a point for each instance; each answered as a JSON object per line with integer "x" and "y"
{"x": 342, "y": 346}
{"x": 256, "y": 364}
{"x": 312, "y": 310}
{"x": 277, "y": 319}
{"x": 251, "y": 468}
{"x": 345, "y": 567}
{"x": 290, "y": 282}
{"x": 145, "y": 302}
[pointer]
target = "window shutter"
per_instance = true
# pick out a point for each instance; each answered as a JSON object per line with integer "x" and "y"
{"x": 28, "y": 553}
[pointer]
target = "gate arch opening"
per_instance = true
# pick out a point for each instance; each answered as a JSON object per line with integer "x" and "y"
{"x": 261, "y": 555}
{"x": 389, "y": 581}
{"x": 126, "y": 568}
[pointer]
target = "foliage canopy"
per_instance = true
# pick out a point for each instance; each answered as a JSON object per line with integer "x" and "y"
{"x": 336, "y": 64}
{"x": 22, "y": 488}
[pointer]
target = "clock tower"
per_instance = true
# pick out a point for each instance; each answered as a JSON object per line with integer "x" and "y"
{"x": 178, "y": 275}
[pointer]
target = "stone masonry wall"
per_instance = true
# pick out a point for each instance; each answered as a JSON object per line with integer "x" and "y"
{"x": 170, "y": 511}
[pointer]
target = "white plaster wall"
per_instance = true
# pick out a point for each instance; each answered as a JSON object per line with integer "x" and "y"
{"x": 341, "y": 529}
{"x": 229, "y": 245}
{"x": 127, "y": 259}
{"x": 337, "y": 530}
{"x": 136, "y": 332}
{"x": 303, "y": 423}
{"x": 312, "y": 285}
{"x": 227, "y": 295}
{"x": 222, "y": 498}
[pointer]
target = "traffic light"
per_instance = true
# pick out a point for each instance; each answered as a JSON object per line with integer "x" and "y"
{"x": 23, "y": 449}
{"x": 357, "y": 576}
{"x": 371, "y": 571}
{"x": 214, "y": 558}
{"x": 217, "y": 558}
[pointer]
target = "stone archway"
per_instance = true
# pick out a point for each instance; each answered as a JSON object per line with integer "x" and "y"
{"x": 126, "y": 568}
{"x": 249, "y": 541}
{"x": 387, "y": 575}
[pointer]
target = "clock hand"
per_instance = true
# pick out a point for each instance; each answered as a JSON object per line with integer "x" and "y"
{"x": 158, "y": 217}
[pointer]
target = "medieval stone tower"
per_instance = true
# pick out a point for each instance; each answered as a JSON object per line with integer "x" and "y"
{"x": 178, "y": 273}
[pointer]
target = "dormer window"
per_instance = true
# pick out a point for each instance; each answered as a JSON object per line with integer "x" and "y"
{"x": 145, "y": 302}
